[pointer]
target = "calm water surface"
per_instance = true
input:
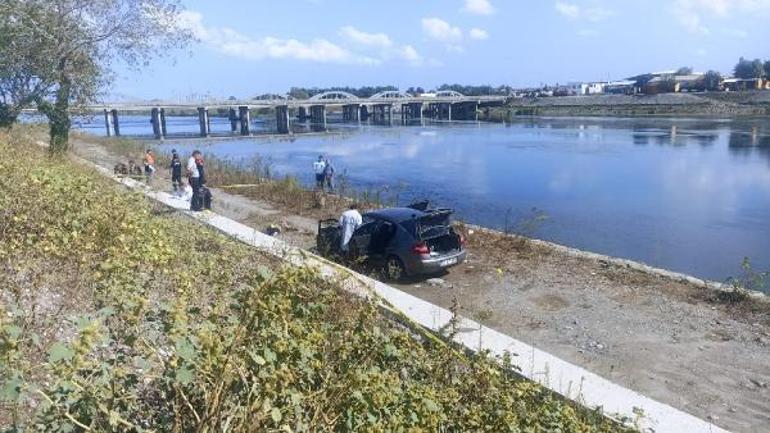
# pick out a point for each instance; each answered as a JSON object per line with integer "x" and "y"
{"x": 683, "y": 194}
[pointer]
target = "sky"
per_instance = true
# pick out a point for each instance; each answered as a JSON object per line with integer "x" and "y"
{"x": 249, "y": 48}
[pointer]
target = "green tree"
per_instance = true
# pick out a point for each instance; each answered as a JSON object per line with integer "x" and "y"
{"x": 712, "y": 80}
{"x": 749, "y": 69}
{"x": 684, "y": 70}
{"x": 67, "y": 48}
{"x": 767, "y": 68}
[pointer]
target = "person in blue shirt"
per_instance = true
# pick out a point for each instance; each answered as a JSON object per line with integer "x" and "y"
{"x": 329, "y": 175}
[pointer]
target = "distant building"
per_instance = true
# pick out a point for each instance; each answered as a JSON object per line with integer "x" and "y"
{"x": 674, "y": 84}
{"x": 580, "y": 89}
{"x": 738, "y": 84}
{"x": 624, "y": 87}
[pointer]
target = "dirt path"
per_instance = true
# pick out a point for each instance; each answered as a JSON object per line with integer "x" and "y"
{"x": 668, "y": 340}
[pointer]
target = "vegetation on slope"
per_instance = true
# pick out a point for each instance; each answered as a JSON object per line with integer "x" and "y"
{"x": 119, "y": 316}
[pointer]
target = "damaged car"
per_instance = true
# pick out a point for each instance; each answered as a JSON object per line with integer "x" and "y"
{"x": 402, "y": 241}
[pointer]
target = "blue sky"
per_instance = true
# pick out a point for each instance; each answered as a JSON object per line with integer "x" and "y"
{"x": 254, "y": 47}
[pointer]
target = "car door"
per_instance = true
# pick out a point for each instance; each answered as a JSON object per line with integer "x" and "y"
{"x": 362, "y": 236}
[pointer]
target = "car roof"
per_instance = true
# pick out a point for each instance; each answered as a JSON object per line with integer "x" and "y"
{"x": 396, "y": 214}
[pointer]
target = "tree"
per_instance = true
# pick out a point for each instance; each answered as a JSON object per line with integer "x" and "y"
{"x": 767, "y": 68}
{"x": 68, "y": 48}
{"x": 684, "y": 70}
{"x": 712, "y": 80}
{"x": 748, "y": 69}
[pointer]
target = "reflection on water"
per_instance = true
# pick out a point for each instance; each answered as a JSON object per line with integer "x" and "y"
{"x": 691, "y": 195}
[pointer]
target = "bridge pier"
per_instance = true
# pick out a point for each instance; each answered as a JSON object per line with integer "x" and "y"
{"x": 232, "y": 116}
{"x": 411, "y": 111}
{"x": 282, "y": 119}
{"x": 440, "y": 111}
{"x": 318, "y": 114}
{"x": 382, "y": 112}
{"x": 302, "y": 114}
{"x": 351, "y": 112}
{"x": 108, "y": 122}
{"x": 244, "y": 115}
{"x": 115, "y": 122}
{"x": 467, "y": 110}
{"x": 157, "y": 124}
{"x": 203, "y": 121}
{"x": 163, "y": 129}
{"x": 364, "y": 113}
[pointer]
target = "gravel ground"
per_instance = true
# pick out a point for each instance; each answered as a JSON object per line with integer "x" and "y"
{"x": 669, "y": 340}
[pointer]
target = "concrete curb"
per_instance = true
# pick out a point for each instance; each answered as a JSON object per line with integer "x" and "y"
{"x": 571, "y": 381}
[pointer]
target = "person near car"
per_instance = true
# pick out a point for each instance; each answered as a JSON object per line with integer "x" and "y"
{"x": 176, "y": 171}
{"x": 193, "y": 175}
{"x": 318, "y": 168}
{"x": 149, "y": 165}
{"x": 349, "y": 221}
{"x": 201, "y": 171}
{"x": 329, "y": 175}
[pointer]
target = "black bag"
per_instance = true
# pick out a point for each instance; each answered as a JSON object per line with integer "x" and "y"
{"x": 206, "y": 197}
{"x": 196, "y": 202}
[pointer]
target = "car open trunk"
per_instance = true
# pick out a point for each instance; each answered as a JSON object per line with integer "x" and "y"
{"x": 435, "y": 229}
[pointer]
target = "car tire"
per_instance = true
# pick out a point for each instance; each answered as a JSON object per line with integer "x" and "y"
{"x": 394, "y": 269}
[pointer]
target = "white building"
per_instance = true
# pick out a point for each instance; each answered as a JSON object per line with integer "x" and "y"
{"x": 586, "y": 88}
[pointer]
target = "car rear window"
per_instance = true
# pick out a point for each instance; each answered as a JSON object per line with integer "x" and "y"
{"x": 428, "y": 226}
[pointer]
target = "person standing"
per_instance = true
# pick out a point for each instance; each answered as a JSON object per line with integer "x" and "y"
{"x": 329, "y": 175}
{"x": 193, "y": 175}
{"x": 201, "y": 171}
{"x": 176, "y": 172}
{"x": 149, "y": 165}
{"x": 349, "y": 221}
{"x": 318, "y": 168}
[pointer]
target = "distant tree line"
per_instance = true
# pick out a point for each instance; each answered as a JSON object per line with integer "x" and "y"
{"x": 367, "y": 91}
{"x": 477, "y": 90}
{"x": 361, "y": 92}
{"x": 749, "y": 69}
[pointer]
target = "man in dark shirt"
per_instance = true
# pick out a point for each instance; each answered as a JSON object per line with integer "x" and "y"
{"x": 176, "y": 172}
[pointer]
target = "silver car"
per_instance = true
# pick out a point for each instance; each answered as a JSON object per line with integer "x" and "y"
{"x": 403, "y": 241}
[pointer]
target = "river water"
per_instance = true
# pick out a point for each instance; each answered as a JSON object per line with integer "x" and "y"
{"x": 690, "y": 195}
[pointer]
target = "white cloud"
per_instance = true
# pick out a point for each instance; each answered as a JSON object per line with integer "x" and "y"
{"x": 440, "y": 30}
{"x": 478, "y": 34}
{"x": 410, "y": 54}
{"x": 478, "y": 7}
{"x": 576, "y": 12}
{"x": 230, "y": 42}
{"x": 691, "y": 13}
{"x": 568, "y": 10}
{"x": 363, "y": 38}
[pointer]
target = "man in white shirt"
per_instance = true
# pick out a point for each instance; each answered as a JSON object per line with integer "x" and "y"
{"x": 192, "y": 168}
{"x": 193, "y": 175}
{"x": 318, "y": 168}
{"x": 349, "y": 222}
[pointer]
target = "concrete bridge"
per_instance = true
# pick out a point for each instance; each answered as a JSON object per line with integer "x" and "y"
{"x": 381, "y": 108}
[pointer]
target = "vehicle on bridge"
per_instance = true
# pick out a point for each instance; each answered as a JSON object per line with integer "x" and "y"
{"x": 402, "y": 241}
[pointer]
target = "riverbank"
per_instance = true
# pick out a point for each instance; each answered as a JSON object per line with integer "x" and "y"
{"x": 115, "y": 311}
{"x": 728, "y": 104}
{"x": 672, "y": 340}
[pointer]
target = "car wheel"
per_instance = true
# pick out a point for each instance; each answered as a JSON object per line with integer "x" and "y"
{"x": 394, "y": 269}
